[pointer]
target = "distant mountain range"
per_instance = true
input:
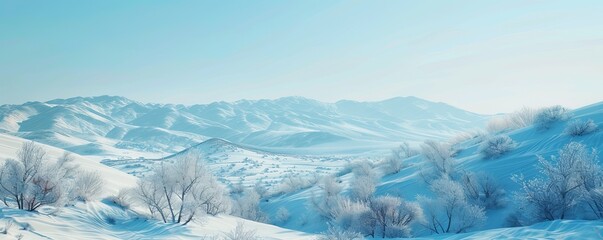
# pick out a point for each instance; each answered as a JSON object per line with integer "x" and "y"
{"x": 99, "y": 125}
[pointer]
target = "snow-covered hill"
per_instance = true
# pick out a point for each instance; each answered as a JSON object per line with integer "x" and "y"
{"x": 245, "y": 166}
{"x": 530, "y": 141}
{"x": 102, "y": 219}
{"x": 119, "y": 127}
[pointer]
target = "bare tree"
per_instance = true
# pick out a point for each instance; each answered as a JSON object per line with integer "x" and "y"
{"x": 177, "y": 191}
{"x": 31, "y": 181}
{"x": 438, "y": 157}
{"x": 566, "y": 180}
{"x": 394, "y": 216}
{"x": 450, "y": 212}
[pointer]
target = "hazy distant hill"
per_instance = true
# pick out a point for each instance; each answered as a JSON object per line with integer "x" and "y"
{"x": 94, "y": 125}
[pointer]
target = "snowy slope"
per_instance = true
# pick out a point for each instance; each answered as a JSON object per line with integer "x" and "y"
{"x": 104, "y": 220}
{"x": 114, "y": 179}
{"x": 291, "y": 124}
{"x": 408, "y": 183}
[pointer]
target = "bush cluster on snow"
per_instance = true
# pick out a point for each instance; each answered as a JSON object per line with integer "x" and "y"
{"x": 439, "y": 159}
{"x": 394, "y": 163}
{"x": 362, "y": 212}
{"x": 483, "y": 190}
{"x": 518, "y": 119}
{"x": 580, "y": 128}
{"x": 32, "y": 180}
{"x": 496, "y": 146}
{"x": 541, "y": 118}
{"x": 240, "y": 233}
{"x": 450, "y": 211}
{"x": 546, "y": 117}
{"x": 571, "y": 181}
{"x": 335, "y": 233}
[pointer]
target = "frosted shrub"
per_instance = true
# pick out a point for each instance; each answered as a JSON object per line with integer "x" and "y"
{"x": 495, "y": 146}
{"x": 8, "y": 224}
{"x": 394, "y": 163}
{"x": 362, "y": 188}
{"x": 123, "y": 198}
{"x": 364, "y": 181}
{"x": 292, "y": 183}
{"x": 580, "y": 128}
{"x": 569, "y": 180}
{"x": 334, "y": 233}
{"x": 439, "y": 159}
{"x": 88, "y": 185}
{"x": 241, "y": 233}
{"x": 248, "y": 206}
{"x": 328, "y": 197}
{"x": 356, "y": 216}
{"x": 282, "y": 215}
{"x": 31, "y": 181}
{"x": 450, "y": 212}
{"x": 518, "y": 119}
{"x": 483, "y": 190}
{"x": 394, "y": 216}
{"x": 546, "y": 117}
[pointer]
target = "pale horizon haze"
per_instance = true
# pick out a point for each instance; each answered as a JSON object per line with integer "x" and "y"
{"x": 482, "y": 56}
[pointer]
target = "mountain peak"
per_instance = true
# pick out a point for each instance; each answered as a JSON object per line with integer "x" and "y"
{"x": 94, "y": 99}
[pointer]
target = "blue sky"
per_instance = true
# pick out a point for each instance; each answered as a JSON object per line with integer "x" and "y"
{"x": 484, "y": 56}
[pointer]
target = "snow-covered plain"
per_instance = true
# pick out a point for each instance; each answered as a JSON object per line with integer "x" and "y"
{"x": 124, "y": 150}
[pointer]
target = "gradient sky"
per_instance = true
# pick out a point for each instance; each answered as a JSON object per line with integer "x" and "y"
{"x": 483, "y": 56}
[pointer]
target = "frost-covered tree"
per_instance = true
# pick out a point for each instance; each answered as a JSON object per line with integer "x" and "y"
{"x": 394, "y": 163}
{"x": 177, "y": 192}
{"x": 32, "y": 181}
{"x": 580, "y": 128}
{"x": 328, "y": 196}
{"x": 394, "y": 216}
{"x": 354, "y": 216}
{"x": 248, "y": 206}
{"x": 450, "y": 212}
{"x": 496, "y": 146}
{"x": 565, "y": 182}
{"x": 364, "y": 182}
{"x": 362, "y": 188}
{"x": 439, "y": 160}
{"x": 261, "y": 189}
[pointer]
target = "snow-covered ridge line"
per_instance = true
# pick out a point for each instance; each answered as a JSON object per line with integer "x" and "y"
{"x": 119, "y": 127}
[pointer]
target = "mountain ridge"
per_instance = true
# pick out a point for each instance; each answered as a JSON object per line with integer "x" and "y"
{"x": 283, "y": 123}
